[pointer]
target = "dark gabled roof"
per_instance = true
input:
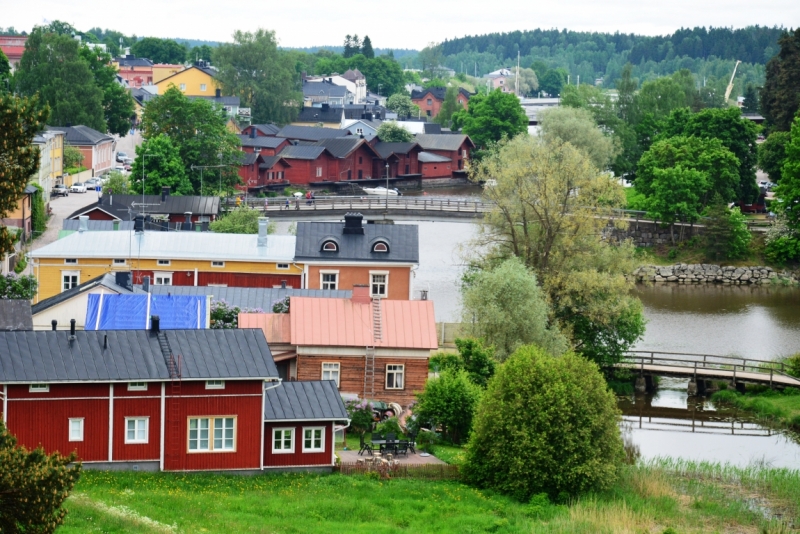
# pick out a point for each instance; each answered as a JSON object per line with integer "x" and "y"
{"x": 248, "y": 158}
{"x": 133, "y": 355}
{"x": 120, "y": 206}
{"x": 15, "y": 315}
{"x": 261, "y": 141}
{"x": 387, "y": 149}
{"x": 310, "y": 133}
{"x": 247, "y": 297}
{"x": 141, "y": 96}
{"x": 133, "y": 61}
{"x": 316, "y": 400}
{"x": 221, "y": 100}
{"x": 402, "y": 239}
{"x": 82, "y": 135}
{"x": 341, "y": 147}
{"x": 432, "y": 128}
{"x": 430, "y": 157}
{"x": 437, "y": 93}
{"x": 266, "y": 129}
{"x": 302, "y": 152}
{"x": 270, "y": 161}
{"x": 443, "y": 141}
{"x": 107, "y": 280}
{"x": 324, "y": 88}
{"x": 315, "y": 114}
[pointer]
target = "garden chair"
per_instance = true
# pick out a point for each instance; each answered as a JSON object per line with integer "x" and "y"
{"x": 391, "y": 436}
{"x": 376, "y": 436}
{"x": 364, "y": 447}
{"x": 412, "y": 442}
{"x": 402, "y": 448}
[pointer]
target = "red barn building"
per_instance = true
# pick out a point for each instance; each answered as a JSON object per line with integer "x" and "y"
{"x": 430, "y": 100}
{"x": 308, "y": 164}
{"x": 266, "y": 146}
{"x": 355, "y": 159}
{"x": 453, "y": 146}
{"x": 403, "y": 159}
{"x": 182, "y": 400}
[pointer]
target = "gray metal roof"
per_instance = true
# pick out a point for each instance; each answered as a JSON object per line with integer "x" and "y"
{"x": 301, "y": 152}
{"x": 248, "y": 158}
{"x": 121, "y": 206}
{"x": 310, "y": 133}
{"x": 430, "y": 157}
{"x": 268, "y": 129}
{"x": 133, "y": 61}
{"x": 387, "y": 149}
{"x": 340, "y": 147}
{"x": 247, "y": 297}
{"x": 170, "y": 246}
{"x": 82, "y": 135}
{"x": 323, "y": 88}
{"x": 15, "y": 314}
{"x": 270, "y": 161}
{"x": 303, "y": 401}
{"x": 442, "y": 141}
{"x": 402, "y": 239}
{"x": 133, "y": 355}
{"x": 108, "y": 280}
{"x": 315, "y": 114}
{"x": 261, "y": 141}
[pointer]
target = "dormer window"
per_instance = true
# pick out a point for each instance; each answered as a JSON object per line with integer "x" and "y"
{"x": 330, "y": 246}
{"x": 380, "y": 246}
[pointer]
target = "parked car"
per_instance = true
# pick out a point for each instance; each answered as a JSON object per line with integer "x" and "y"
{"x": 60, "y": 191}
{"x": 121, "y": 157}
{"x": 77, "y": 188}
{"x": 93, "y": 184}
{"x": 121, "y": 168}
{"x": 127, "y": 167}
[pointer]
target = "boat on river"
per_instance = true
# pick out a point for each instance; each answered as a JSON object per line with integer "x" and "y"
{"x": 381, "y": 191}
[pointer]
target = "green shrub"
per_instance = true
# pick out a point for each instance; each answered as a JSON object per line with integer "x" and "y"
{"x": 449, "y": 401}
{"x": 389, "y": 426}
{"x": 38, "y": 215}
{"x": 545, "y": 425}
{"x": 793, "y": 365}
{"x": 18, "y": 287}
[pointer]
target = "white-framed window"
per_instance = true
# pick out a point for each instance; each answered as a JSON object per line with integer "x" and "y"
{"x": 282, "y": 440}
{"x": 395, "y": 376}
{"x": 212, "y": 434}
{"x": 330, "y": 246}
{"x": 136, "y": 429}
{"x": 379, "y": 284}
{"x": 314, "y": 439}
{"x": 70, "y": 279}
{"x": 329, "y": 280}
{"x": 218, "y": 264}
{"x": 163, "y": 262}
{"x": 380, "y": 246}
{"x": 137, "y": 386}
{"x": 215, "y": 384}
{"x": 430, "y": 102}
{"x": 39, "y": 388}
{"x": 282, "y": 266}
{"x": 202, "y": 87}
{"x": 162, "y": 279}
{"x": 120, "y": 262}
{"x": 330, "y": 371}
{"x": 183, "y": 87}
{"x": 70, "y": 261}
{"x": 359, "y": 131}
{"x": 319, "y": 172}
{"x": 76, "y": 429}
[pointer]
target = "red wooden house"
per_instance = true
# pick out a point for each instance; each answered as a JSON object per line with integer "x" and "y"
{"x": 261, "y": 130}
{"x": 266, "y": 146}
{"x": 430, "y": 100}
{"x": 453, "y": 146}
{"x": 403, "y": 159}
{"x": 355, "y": 159}
{"x": 182, "y": 400}
{"x": 308, "y": 164}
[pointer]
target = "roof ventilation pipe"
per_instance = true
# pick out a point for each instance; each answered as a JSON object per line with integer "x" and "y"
{"x": 263, "y": 225}
{"x": 83, "y": 223}
{"x": 146, "y": 284}
{"x": 155, "y": 324}
{"x": 71, "y": 330}
{"x": 54, "y": 324}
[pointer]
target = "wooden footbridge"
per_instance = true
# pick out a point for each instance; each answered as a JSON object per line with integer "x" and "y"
{"x": 706, "y": 367}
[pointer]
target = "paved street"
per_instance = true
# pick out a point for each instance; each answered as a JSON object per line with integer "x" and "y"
{"x": 63, "y": 206}
{"x": 128, "y": 144}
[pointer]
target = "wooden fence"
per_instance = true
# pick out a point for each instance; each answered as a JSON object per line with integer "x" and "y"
{"x": 417, "y": 471}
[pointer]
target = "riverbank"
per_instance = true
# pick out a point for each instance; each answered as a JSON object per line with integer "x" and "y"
{"x": 781, "y": 407}
{"x": 705, "y": 273}
{"x": 657, "y": 497}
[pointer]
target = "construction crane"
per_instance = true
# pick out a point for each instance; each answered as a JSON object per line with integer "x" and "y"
{"x": 730, "y": 85}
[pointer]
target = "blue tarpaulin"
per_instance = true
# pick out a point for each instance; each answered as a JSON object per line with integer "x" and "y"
{"x": 133, "y": 312}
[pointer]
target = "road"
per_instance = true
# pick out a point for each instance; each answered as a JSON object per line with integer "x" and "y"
{"x": 128, "y": 144}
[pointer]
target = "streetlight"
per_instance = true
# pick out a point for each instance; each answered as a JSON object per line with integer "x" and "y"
{"x": 144, "y": 162}
{"x": 387, "y": 187}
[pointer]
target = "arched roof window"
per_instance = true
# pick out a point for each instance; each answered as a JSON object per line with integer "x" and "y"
{"x": 330, "y": 246}
{"x": 380, "y": 246}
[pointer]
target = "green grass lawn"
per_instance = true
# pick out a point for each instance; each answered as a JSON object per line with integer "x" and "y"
{"x": 647, "y": 498}
{"x": 783, "y": 407}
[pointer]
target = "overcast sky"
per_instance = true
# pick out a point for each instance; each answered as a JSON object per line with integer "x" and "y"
{"x": 392, "y": 24}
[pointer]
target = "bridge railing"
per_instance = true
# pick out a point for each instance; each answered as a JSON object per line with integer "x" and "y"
{"x": 705, "y": 361}
{"x": 355, "y": 203}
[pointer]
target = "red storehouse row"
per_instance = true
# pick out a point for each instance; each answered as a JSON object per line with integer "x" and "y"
{"x": 178, "y": 400}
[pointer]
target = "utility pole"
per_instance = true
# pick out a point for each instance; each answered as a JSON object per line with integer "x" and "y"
{"x": 516, "y": 82}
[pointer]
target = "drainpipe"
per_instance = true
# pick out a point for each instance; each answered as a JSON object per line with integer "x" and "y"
{"x": 263, "y": 402}
{"x": 344, "y": 436}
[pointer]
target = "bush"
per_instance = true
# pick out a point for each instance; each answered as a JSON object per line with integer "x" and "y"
{"x": 72, "y": 157}
{"x": 38, "y": 215}
{"x": 473, "y": 357}
{"x": 389, "y": 426}
{"x": 18, "y": 287}
{"x": 545, "y": 425}
{"x": 117, "y": 184}
{"x": 360, "y": 414}
{"x": 242, "y": 220}
{"x": 793, "y": 365}
{"x": 225, "y": 316}
{"x": 448, "y": 401}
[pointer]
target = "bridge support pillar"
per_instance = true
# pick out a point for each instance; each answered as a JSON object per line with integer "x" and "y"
{"x": 641, "y": 384}
{"x": 696, "y": 387}
{"x": 740, "y": 387}
{"x": 692, "y": 389}
{"x": 650, "y": 385}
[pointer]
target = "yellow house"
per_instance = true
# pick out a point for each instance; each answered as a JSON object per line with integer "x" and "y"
{"x": 165, "y": 70}
{"x": 168, "y": 258}
{"x": 193, "y": 81}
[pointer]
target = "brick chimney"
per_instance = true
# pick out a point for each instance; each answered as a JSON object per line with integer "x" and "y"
{"x": 361, "y": 294}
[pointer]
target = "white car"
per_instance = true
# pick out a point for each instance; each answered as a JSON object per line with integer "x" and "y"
{"x": 77, "y": 188}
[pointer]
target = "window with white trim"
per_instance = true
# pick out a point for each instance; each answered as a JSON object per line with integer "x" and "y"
{"x": 218, "y": 264}
{"x": 330, "y": 371}
{"x": 162, "y": 279}
{"x": 215, "y": 384}
{"x": 283, "y": 266}
{"x": 329, "y": 280}
{"x": 314, "y": 439}
{"x": 136, "y": 429}
{"x": 282, "y": 440}
{"x": 163, "y": 262}
{"x": 202, "y": 87}
{"x": 71, "y": 261}
{"x": 330, "y": 246}
{"x": 319, "y": 172}
{"x": 70, "y": 279}
{"x": 120, "y": 262}
{"x": 137, "y": 386}
{"x": 76, "y": 429}
{"x": 212, "y": 434}
{"x": 39, "y": 388}
{"x": 379, "y": 284}
{"x": 183, "y": 87}
{"x": 380, "y": 246}
{"x": 395, "y": 376}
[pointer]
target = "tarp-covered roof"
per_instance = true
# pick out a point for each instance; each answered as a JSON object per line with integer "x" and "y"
{"x": 133, "y": 312}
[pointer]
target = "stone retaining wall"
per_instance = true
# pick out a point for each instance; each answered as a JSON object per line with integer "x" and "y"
{"x": 682, "y": 273}
{"x": 648, "y": 233}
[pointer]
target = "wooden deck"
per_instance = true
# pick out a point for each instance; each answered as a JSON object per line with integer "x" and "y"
{"x": 351, "y": 457}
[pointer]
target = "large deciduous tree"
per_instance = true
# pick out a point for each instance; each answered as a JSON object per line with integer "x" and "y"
{"x": 20, "y": 119}
{"x": 772, "y": 154}
{"x": 449, "y": 402}
{"x": 53, "y": 67}
{"x": 162, "y": 167}
{"x": 159, "y": 50}
{"x": 780, "y": 96}
{"x": 199, "y": 131}
{"x": 577, "y": 127}
{"x": 551, "y": 209}
{"x": 490, "y": 118}
{"x": 400, "y": 104}
{"x": 783, "y": 241}
{"x": 117, "y": 102}
{"x": 252, "y": 68}
{"x": 391, "y": 132}
{"x": 545, "y": 425}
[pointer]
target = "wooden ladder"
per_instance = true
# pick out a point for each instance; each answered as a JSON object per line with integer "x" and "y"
{"x": 174, "y": 366}
{"x": 377, "y": 321}
{"x": 369, "y": 373}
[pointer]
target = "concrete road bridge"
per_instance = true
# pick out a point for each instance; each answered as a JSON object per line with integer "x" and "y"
{"x": 701, "y": 369}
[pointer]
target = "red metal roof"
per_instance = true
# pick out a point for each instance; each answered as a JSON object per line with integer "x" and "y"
{"x": 406, "y": 324}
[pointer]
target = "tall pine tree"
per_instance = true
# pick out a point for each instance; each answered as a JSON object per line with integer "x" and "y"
{"x": 780, "y": 96}
{"x": 366, "y": 48}
{"x": 750, "y": 104}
